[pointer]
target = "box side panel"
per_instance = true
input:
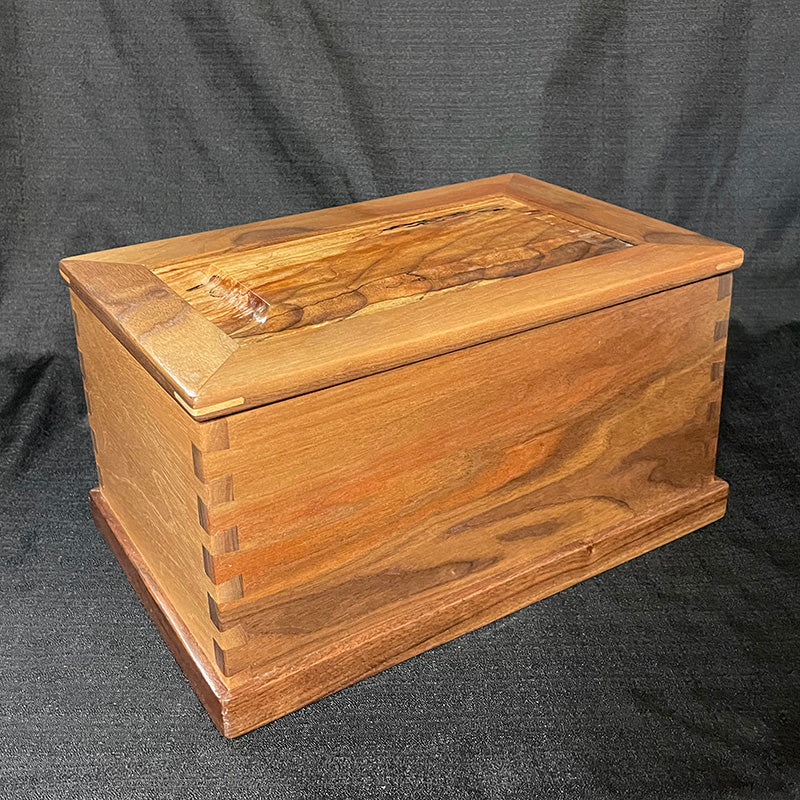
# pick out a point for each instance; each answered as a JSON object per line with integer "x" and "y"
{"x": 149, "y": 456}
{"x": 368, "y": 503}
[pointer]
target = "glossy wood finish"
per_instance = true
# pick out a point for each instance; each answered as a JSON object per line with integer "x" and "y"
{"x": 387, "y": 494}
{"x": 542, "y": 406}
{"x": 332, "y": 276}
{"x": 153, "y": 323}
{"x": 240, "y": 704}
{"x": 305, "y": 553}
{"x": 385, "y": 327}
{"x": 143, "y": 445}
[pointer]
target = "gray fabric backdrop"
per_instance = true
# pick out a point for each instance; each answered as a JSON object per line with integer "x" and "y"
{"x": 673, "y": 676}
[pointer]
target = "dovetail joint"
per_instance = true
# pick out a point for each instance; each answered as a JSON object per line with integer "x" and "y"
{"x": 224, "y": 542}
{"x": 202, "y": 514}
{"x": 214, "y": 604}
{"x": 197, "y": 463}
{"x": 219, "y": 657}
{"x": 213, "y": 612}
{"x": 218, "y": 491}
{"x": 725, "y": 286}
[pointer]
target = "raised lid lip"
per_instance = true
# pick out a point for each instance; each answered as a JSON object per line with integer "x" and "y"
{"x": 212, "y": 374}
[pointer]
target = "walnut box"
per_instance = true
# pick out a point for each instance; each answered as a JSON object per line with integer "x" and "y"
{"x": 329, "y": 442}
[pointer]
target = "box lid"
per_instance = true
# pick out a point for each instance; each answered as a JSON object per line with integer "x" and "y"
{"x": 239, "y": 317}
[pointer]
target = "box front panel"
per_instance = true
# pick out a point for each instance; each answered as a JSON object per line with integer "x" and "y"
{"x": 354, "y": 509}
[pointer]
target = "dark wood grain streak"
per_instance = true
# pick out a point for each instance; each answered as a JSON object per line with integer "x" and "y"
{"x": 260, "y": 698}
{"x": 611, "y": 420}
{"x": 270, "y": 694}
{"x": 540, "y": 424}
{"x": 332, "y": 277}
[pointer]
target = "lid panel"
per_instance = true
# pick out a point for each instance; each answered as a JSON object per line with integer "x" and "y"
{"x": 329, "y": 276}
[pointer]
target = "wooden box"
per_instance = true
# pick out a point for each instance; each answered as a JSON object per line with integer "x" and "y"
{"x": 329, "y": 442}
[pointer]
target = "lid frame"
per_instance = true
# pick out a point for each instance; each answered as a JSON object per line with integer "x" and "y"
{"x": 221, "y": 374}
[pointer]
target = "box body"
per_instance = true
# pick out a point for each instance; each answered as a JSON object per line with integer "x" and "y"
{"x": 290, "y": 547}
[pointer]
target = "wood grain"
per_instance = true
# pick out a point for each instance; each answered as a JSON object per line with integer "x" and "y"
{"x": 180, "y": 347}
{"x": 330, "y": 442}
{"x": 603, "y": 216}
{"x": 573, "y": 427}
{"x": 305, "y": 360}
{"x": 331, "y": 276}
{"x": 233, "y": 319}
{"x": 615, "y": 220}
{"x": 255, "y": 700}
{"x": 271, "y": 694}
{"x": 191, "y": 657}
{"x": 143, "y": 448}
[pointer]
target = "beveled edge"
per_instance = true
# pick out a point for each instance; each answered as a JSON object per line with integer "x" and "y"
{"x": 211, "y": 374}
{"x": 606, "y": 217}
{"x": 174, "y": 342}
{"x": 309, "y": 359}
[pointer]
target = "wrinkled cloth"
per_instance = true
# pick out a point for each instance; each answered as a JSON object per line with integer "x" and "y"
{"x": 672, "y": 676}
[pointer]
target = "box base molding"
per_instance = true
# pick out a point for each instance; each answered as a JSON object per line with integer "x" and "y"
{"x": 202, "y": 676}
{"x": 261, "y": 698}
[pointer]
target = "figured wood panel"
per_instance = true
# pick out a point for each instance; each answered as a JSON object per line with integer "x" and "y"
{"x": 329, "y": 276}
{"x": 377, "y": 498}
